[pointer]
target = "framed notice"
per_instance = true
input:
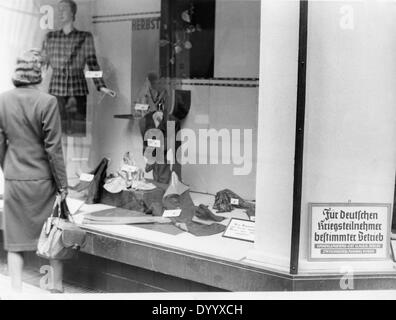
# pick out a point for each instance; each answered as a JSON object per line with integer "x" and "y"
{"x": 349, "y": 231}
{"x": 240, "y": 230}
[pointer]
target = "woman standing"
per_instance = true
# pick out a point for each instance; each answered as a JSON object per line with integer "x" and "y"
{"x": 32, "y": 161}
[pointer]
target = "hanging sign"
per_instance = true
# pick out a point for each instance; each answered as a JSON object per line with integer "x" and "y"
{"x": 349, "y": 231}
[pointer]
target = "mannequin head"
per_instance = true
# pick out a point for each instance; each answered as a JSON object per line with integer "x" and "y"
{"x": 67, "y": 11}
{"x": 154, "y": 81}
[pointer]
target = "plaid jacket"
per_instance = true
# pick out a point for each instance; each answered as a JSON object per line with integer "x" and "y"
{"x": 68, "y": 55}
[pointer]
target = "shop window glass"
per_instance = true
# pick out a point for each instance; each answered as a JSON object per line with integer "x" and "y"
{"x": 184, "y": 118}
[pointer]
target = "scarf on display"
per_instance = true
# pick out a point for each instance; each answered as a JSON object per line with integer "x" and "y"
{"x": 227, "y": 200}
{"x": 177, "y": 197}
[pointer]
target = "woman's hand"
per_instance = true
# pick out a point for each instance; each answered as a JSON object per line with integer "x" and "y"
{"x": 63, "y": 194}
{"x": 109, "y": 92}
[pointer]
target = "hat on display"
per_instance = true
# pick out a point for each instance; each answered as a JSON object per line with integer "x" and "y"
{"x": 28, "y": 69}
{"x": 175, "y": 187}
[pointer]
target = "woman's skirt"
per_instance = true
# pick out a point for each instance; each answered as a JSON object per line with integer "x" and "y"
{"x": 27, "y": 205}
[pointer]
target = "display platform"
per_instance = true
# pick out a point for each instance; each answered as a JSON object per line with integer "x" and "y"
{"x": 216, "y": 246}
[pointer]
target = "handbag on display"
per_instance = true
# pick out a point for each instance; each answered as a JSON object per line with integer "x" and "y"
{"x": 60, "y": 238}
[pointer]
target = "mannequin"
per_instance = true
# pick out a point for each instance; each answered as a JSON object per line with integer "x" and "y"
{"x": 68, "y": 51}
{"x": 157, "y": 117}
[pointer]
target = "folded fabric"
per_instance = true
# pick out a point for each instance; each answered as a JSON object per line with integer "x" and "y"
{"x": 227, "y": 200}
{"x": 202, "y": 230}
{"x": 185, "y": 220}
{"x": 172, "y": 202}
{"x": 121, "y": 217}
{"x": 128, "y": 200}
{"x": 202, "y": 212}
{"x": 156, "y": 209}
{"x": 143, "y": 186}
{"x": 127, "y": 221}
{"x": 115, "y": 185}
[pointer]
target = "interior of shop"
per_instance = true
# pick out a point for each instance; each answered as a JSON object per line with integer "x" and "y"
{"x": 208, "y": 65}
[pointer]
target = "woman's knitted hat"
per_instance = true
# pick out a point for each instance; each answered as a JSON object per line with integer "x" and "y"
{"x": 28, "y": 69}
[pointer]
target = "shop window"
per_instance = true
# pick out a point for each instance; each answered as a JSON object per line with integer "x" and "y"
{"x": 394, "y": 213}
{"x": 176, "y": 66}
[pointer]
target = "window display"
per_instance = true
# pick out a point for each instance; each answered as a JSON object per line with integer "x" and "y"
{"x": 231, "y": 128}
{"x": 184, "y": 139}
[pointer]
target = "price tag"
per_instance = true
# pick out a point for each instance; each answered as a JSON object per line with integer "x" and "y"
{"x": 85, "y": 177}
{"x": 154, "y": 143}
{"x": 172, "y": 213}
{"x": 93, "y": 74}
{"x": 141, "y": 107}
{"x": 235, "y": 202}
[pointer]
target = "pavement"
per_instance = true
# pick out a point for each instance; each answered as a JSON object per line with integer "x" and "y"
{"x": 31, "y": 286}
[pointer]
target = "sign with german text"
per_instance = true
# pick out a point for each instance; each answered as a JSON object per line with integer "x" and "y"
{"x": 349, "y": 231}
{"x": 240, "y": 230}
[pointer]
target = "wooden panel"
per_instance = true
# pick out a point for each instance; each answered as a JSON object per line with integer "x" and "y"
{"x": 208, "y": 271}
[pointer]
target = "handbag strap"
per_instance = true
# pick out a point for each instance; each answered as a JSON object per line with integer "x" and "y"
{"x": 57, "y": 204}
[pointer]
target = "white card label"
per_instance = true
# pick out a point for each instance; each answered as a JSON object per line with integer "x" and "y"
{"x": 240, "y": 230}
{"x": 85, "y": 177}
{"x": 235, "y": 202}
{"x": 93, "y": 74}
{"x": 172, "y": 213}
{"x": 141, "y": 107}
{"x": 154, "y": 143}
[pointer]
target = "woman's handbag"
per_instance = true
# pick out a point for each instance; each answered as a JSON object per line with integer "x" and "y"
{"x": 60, "y": 238}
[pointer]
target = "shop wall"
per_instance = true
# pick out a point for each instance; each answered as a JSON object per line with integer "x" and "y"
{"x": 212, "y": 107}
{"x": 276, "y": 133}
{"x": 351, "y": 98}
{"x": 237, "y": 48}
{"x": 237, "y": 28}
{"x": 115, "y": 43}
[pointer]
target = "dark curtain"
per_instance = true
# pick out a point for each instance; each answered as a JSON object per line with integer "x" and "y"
{"x": 197, "y": 62}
